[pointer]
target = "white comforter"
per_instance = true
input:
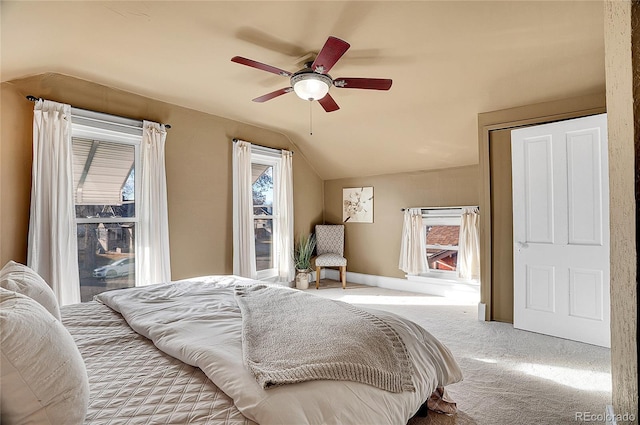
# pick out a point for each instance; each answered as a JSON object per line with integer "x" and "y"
{"x": 199, "y": 322}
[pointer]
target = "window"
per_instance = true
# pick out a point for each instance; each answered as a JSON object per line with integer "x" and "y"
{"x": 262, "y": 212}
{"x": 105, "y": 160}
{"x": 265, "y": 213}
{"x": 442, "y": 228}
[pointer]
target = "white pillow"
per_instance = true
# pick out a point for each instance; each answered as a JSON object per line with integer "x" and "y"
{"x": 24, "y": 280}
{"x": 44, "y": 379}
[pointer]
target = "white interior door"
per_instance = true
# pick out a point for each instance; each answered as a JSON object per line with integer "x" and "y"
{"x": 561, "y": 229}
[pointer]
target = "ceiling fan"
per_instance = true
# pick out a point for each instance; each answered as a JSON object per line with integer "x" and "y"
{"x": 312, "y": 82}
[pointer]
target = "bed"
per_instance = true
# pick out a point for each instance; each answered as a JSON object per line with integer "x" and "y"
{"x": 131, "y": 381}
{"x": 137, "y": 345}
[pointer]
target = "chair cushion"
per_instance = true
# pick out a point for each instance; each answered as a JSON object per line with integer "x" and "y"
{"x": 44, "y": 378}
{"x": 330, "y": 260}
{"x": 24, "y": 280}
{"x": 330, "y": 239}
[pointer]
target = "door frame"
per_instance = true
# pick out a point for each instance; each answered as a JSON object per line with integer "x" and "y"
{"x": 534, "y": 114}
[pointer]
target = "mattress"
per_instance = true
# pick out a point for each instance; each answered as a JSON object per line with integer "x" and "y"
{"x": 132, "y": 382}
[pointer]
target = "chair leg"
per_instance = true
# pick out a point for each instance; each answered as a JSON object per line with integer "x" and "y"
{"x": 318, "y": 277}
{"x": 343, "y": 276}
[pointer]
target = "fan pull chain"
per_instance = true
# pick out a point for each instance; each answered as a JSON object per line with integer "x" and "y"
{"x": 310, "y": 119}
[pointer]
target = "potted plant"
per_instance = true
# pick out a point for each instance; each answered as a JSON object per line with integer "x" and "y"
{"x": 302, "y": 252}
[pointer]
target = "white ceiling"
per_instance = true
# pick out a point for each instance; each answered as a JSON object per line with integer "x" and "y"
{"x": 449, "y": 61}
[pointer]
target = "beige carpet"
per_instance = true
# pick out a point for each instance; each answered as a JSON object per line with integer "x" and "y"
{"x": 511, "y": 377}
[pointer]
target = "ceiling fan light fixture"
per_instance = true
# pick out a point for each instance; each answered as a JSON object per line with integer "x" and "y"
{"x": 311, "y": 85}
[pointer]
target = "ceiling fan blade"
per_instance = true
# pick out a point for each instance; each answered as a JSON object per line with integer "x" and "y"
{"x": 332, "y": 50}
{"x": 259, "y": 65}
{"x": 328, "y": 104}
{"x": 363, "y": 83}
{"x": 271, "y": 95}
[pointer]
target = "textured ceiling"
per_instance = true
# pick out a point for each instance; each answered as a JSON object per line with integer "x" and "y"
{"x": 448, "y": 60}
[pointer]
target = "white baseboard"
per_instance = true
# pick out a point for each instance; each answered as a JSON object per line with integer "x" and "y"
{"x": 482, "y": 312}
{"x": 423, "y": 285}
{"x": 610, "y": 417}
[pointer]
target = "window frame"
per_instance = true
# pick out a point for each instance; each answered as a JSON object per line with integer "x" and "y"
{"x": 94, "y": 126}
{"x": 264, "y": 157}
{"x": 441, "y": 217}
{"x": 94, "y": 133}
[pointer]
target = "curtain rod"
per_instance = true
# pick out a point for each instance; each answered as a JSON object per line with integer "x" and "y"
{"x": 35, "y": 99}
{"x": 261, "y": 146}
{"x": 443, "y": 208}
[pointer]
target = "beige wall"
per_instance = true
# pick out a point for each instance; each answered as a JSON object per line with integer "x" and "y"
{"x": 15, "y": 174}
{"x": 375, "y": 248}
{"x": 622, "y": 38}
{"x": 198, "y": 161}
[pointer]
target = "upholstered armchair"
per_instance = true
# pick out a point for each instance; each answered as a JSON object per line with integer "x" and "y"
{"x": 330, "y": 250}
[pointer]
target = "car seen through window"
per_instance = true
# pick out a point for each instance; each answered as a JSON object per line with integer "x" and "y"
{"x": 122, "y": 267}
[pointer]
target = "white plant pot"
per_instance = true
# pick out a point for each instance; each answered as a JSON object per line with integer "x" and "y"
{"x": 302, "y": 279}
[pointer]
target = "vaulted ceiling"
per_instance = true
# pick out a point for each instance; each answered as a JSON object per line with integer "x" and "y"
{"x": 449, "y": 61}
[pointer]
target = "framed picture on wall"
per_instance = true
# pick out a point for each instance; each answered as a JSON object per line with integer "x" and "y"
{"x": 357, "y": 205}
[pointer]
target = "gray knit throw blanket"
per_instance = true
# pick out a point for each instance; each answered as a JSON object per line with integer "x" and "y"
{"x": 289, "y": 336}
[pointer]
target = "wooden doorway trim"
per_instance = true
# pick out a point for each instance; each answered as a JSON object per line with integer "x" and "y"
{"x": 505, "y": 119}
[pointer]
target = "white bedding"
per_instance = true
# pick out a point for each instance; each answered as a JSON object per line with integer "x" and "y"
{"x": 198, "y": 321}
{"x": 132, "y": 382}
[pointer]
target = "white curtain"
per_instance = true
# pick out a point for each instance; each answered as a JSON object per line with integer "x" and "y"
{"x": 286, "y": 269}
{"x": 53, "y": 243}
{"x": 244, "y": 249}
{"x": 413, "y": 250}
{"x": 469, "y": 245}
{"x": 152, "y": 230}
